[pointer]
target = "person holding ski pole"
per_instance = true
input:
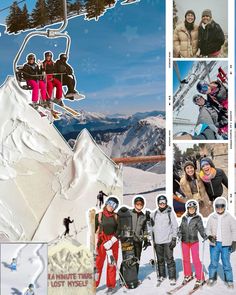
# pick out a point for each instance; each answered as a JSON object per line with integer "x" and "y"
{"x": 107, "y": 243}
{"x": 191, "y": 225}
{"x": 221, "y": 231}
{"x": 139, "y": 225}
{"x": 213, "y": 178}
{"x": 100, "y": 199}
{"x": 66, "y": 223}
{"x": 164, "y": 228}
{"x": 30, "y": 290}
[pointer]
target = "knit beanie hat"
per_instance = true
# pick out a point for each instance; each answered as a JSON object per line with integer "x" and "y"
{"x": 190, "y": 11}
{"x": 206, "y": 161}
{"x": 207, "y": 12}
{"x": 188, "y": 163}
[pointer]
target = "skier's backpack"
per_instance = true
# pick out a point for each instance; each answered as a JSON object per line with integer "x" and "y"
{"x": 65, "y": 221}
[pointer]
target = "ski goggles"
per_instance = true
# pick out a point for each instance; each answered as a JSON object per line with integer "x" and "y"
{"x": 112, "y": 204}
{"x": 162, "y": 202}
{"x": 220, "y": 206}
{"x": 204, "y": 89}
{"x": 192, "y": 204}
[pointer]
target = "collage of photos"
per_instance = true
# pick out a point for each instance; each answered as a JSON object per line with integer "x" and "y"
{"x": 116, "y": 151}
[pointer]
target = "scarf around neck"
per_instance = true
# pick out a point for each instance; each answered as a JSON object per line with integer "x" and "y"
{"x": 208, "y": 178}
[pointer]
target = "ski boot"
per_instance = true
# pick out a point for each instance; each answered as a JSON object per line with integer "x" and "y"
{"x": 211, "y": 282}
{"x": 160, "y": 280}
{"x": 58, "y": 101}
{"x": 172, "y": 282}
{"x": 110, "y": 291}
{"x": 230, "y": 285}
{"x": 46, "y": 104}
{"x": 34, "y": 105}
{"x": 187, "y": 279}
{"x": 198, "y": 284}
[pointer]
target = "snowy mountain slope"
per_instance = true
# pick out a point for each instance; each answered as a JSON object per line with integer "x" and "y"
{"x": 185, "y": 111}
{"x": 148, "y": 184}
{"x": 31, "y": 268}
{"x": 37, "y": 166}
{"x": 146, "y": 137}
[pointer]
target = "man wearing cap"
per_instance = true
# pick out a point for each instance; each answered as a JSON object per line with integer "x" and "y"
{"x": 139, "y": 226}
{"x": 164, "y": 228}
{"x": 107, "y": 242}
{"x": 51, "y": 81}
{"x": 66, "y": 75}
{"x": 186, "y": 37}
{"x": 210, "y": 36}
{"x": 221, "y": 231}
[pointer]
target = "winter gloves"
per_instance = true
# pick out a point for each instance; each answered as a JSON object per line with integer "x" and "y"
{"x": 109, "y": 243}
{"x": 212, "y": 239}
{"x": 172, "y": 243}
{"x": 146, "y": 244}
{"x": 233, "y": 246}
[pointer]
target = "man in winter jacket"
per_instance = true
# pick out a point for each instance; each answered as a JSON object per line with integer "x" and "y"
{"x": 139, "y": 226}
{"x": 165, "y": 228}
{"x": 213, "y": 178}
{"x": 66, "y": 223}
{"x": 66, "y": 76}
{"x": 210, "y": 36}
{"x": 221, "y": 231}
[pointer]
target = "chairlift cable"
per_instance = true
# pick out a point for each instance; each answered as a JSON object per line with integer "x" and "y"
{"x": 18, "y": 2}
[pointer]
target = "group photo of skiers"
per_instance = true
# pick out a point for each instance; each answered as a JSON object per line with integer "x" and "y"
{"x": 123, "y": 234}
{"x": 200, "y": 172}
{"x": 200, "y": 29}
{"x": 200, "y": 100}
{"x": 46, "y": 79}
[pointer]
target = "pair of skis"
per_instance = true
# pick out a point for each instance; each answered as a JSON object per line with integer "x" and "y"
{"x": 176, "y": 289}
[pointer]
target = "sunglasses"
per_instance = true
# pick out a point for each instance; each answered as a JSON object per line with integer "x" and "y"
{"x": 32, "y": 58}
{"x": 139, "y": 204}
{"x": 220, "y": 206}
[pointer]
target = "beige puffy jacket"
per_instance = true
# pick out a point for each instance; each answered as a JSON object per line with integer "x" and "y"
{"x": 185, "y": 44}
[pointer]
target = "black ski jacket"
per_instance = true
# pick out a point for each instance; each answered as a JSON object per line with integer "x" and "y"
{"x": 211, "y": 38}
{"x": 62, "y": 67}
{"x": 214, "y": 188}
{"x": 139, "y": 225}
{"x": 108, "y": 225}
{"x": 189, "y": 231}
{"x": 32, "y": 72}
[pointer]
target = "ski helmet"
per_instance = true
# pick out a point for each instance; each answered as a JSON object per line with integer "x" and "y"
{"x": 161, "y": 199}
{"x": 196, "y": 97}
{"x": 48, "y": 53}
{"x": 63, "y": 56}
{"x": 220, "y": 203}
{"x": 30, "y": 56}
{"x": 31, "y": 286}
{"x": 202, "y": 87}
{"x": 113, "y": 202}
{"x": 139, "y": 198}
{"x": 191, "y": 204}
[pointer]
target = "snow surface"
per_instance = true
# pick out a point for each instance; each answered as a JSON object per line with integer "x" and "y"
{"x": 41, "y": 179}
{"x": 31, "y": 268}
{"x": 185, "y": 111}
{"x": 148, "y": 276}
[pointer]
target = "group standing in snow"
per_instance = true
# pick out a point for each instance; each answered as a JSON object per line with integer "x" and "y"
{"x": 160, "y": 228}
{"x": 203, "y": 40}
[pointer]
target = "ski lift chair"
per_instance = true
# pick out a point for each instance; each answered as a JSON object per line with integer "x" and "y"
{"x": 20, "y": 78}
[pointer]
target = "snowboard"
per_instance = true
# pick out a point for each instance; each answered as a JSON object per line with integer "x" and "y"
{"x": 129, "y": 262}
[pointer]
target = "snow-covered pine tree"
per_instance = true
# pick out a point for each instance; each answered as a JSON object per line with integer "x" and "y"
{"x": 14, "y": 18}
{"x": 39, "y": 14}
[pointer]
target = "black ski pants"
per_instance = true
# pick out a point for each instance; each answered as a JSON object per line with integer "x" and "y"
{"x": 69, "y": 82}
{"x": 137, "y": 252}
{"x": 165, "y": 255}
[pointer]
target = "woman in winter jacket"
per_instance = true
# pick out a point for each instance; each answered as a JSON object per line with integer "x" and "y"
{"x": 210, "y": 36}
{"x": 193, "y": 188}
{"x": 221, "y": 231}
{"x": 186, "y": 37}
{"x": 33, "y": 75}
{"x": 213, "y": 178}
{"x": 190, "y": 226}
{"x": 107, "y": 242}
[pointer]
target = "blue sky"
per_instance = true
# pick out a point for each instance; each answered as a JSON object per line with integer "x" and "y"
{"x": 119, "y": 61}
{"x": 184, "y": 68}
